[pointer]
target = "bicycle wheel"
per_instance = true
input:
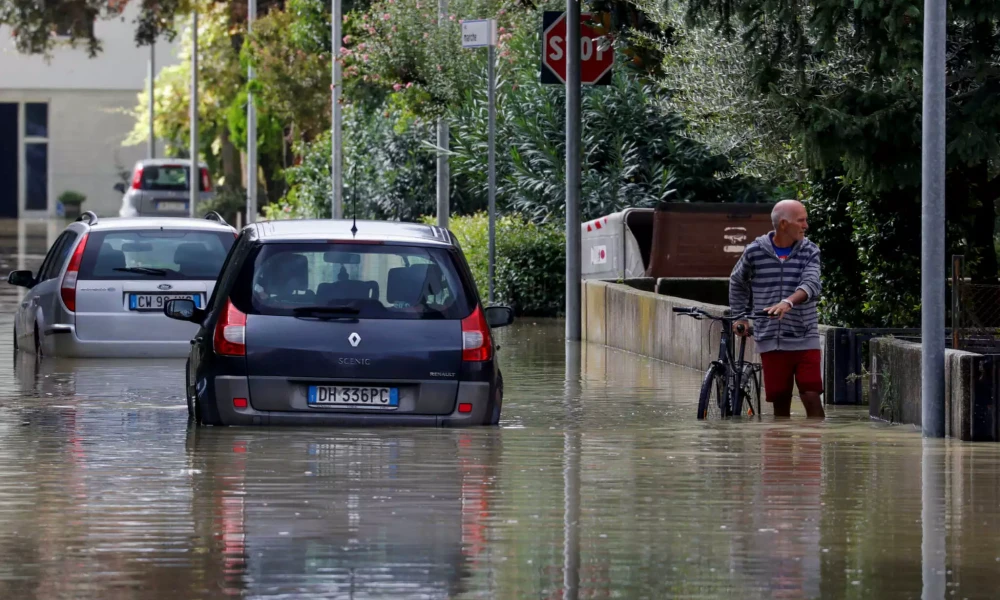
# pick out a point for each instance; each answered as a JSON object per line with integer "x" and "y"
{"x": 750, "y": 390}
{"x": 712, "y": 401}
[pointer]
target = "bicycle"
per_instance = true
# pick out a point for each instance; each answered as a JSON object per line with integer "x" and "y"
{"x": 730, "y": 382}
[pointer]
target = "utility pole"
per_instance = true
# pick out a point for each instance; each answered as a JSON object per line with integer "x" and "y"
{"x": 573, "y": 170}
{"x": 932, "y": 222}
{"x": 443, "y": 170}
{"x": 336, "y": 141}
{"x": 151, "y": 147}
{"x": 491, "y": 76}
{"x": 194, "y": 174}
{"x": 251, "y": 127}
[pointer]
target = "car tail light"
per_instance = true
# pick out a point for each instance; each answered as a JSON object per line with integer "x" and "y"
{"x": 230, "y": 332}
{"x": 465, "y": 407}
{"x": 68, "y": 288}
{"x": 239, "y": 402}
{"x": 206, "y": 183}
{"x": 477, "y": 345}
{"x": 137, "y": 179}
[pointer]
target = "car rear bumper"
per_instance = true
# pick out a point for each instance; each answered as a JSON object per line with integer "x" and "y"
{"x": 228, "y": 387}
{"x": 61, "y": 341}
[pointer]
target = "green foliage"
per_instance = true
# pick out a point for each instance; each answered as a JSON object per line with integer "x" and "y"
{"x": 72, "y": 197}
{"x": 389, "y": 173}
{"x": 530, "y": 261}
{"x": 228, "y": 202}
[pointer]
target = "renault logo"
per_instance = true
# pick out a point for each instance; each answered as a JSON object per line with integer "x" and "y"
{"x": 165, "y": 286}
{"x": 355, "y": 339}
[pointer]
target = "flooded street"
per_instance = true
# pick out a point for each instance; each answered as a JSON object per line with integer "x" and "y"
{"x": 600, "y": 483}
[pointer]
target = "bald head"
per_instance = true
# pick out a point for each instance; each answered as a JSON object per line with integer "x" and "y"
{"x": 790, "y": 220}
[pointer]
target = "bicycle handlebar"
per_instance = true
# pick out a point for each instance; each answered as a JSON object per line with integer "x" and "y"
{"x": 698, "y": 313}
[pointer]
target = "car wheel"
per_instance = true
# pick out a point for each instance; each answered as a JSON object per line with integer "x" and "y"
{"x": 203, "y": 416}
{"x": 497, "y": 402}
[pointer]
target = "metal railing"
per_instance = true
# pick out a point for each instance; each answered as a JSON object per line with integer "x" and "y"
{"x": 975, "y": 312}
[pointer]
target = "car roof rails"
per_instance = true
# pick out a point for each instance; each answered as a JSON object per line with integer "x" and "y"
{"x": 90, "y": 216}
{"x": 214, "y": 216}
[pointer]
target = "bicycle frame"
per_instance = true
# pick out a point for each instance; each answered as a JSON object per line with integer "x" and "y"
{"x": 733, "y": 365}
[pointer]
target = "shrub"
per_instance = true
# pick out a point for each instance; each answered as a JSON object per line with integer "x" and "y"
{"x": 530, "y": 261}
{"x": 72, "y": 197}
{"x": 227, "y": 202}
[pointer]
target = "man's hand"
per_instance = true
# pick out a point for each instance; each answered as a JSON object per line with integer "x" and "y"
{"x": 745, "y": 328}
{"x": 779, "y": 309}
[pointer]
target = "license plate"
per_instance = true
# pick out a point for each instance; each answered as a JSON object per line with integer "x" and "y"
{"x": 173, "y": 206}
{"x": 154, "y": 302}
{"x": 364, "y": 397}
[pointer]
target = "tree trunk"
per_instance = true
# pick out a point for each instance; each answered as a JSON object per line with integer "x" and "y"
{"x": 231, "y": 171}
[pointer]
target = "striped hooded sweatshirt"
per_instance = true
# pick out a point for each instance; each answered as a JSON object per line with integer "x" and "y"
{"x": 760, "y": 280}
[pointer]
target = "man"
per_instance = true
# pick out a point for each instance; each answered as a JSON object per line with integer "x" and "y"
{"x": 779, "y": 273}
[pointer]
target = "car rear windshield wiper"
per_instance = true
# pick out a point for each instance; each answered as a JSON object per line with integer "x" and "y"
{"x": 332, "y": 310}
{"x": 143, "y": 270}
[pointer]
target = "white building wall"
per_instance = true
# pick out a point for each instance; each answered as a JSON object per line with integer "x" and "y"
{"x": 89, "y": 101}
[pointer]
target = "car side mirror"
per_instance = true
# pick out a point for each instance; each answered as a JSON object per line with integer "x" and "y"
{"x": 183, "y": 309}
{"x": 21, "y": 279}
{"x": 120, "y": 187}
{"x": 499, "y": 316}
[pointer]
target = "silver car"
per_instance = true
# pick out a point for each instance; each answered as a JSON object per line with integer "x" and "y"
{"x": 160, "y": 188}
{"x": 101, "y": 289}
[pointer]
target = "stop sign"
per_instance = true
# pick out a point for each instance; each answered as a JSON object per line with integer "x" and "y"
{"x": 596, "y": 54}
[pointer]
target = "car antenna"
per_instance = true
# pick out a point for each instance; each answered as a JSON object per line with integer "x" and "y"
{"x": 354, "y": 201}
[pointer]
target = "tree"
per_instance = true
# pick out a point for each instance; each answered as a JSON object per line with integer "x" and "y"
{"x": 846, "y": 80}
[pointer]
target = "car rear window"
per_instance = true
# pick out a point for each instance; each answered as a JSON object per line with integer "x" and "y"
{"x": 155, "y": 254}
{"x": 378, "y": 281}
{"x": 167, "y": 178}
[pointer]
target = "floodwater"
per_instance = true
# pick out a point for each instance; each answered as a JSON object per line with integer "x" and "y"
{"x": 599, "y": 483}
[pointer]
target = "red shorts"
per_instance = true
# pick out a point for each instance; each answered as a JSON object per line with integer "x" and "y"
{"x": 782, "y": 368}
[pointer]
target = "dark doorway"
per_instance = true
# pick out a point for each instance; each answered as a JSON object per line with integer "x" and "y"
{"x": 9, "y": 142}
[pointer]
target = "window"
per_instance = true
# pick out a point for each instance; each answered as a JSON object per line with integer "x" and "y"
{"x": 37, "y": 175}
{"x": 379, "y": 281}
{"x": 36, "y": 122}
{"x": 155, "y": 254}
{"x": 168, "y": 178}
{"x": 56, "y": 257}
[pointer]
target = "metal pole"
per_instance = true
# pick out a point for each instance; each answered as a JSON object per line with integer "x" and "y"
{"x": 251, "y": 128}
{"x": 194, "y": 174}
{"x": 932, "y": 225}
{"x": 151, "y": 148}
{"x": 572, "y": 170}
{"x": 491, "y": 75}
{"x": 337, "y": 177}
{"x": 443, "y": 170}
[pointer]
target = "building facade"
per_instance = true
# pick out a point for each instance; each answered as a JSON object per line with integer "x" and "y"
{"x": 63, "y": 120}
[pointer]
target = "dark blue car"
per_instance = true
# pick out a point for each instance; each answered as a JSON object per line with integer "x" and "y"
{"x": 313, "y": 323}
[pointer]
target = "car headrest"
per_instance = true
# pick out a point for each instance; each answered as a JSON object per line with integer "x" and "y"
{"x": 109, "y": 259}
{"x": 288, "y": 272}
{"x": 190, "y": 252}
{"x": 412, "y": 284}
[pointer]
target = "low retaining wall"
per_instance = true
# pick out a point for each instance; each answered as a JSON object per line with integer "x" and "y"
{"x": 970, "y": 389}
{"x": 626, "y": 318}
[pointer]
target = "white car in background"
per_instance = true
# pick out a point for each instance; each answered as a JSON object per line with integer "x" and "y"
{"x": 160, "y": 188}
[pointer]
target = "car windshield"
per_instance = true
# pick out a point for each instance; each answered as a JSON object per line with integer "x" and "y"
{"x": 155, "y": 254}
{"x": 166, "y": 178}
{"x": 322, "y": 280}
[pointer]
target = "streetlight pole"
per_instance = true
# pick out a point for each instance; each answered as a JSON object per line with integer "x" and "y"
{"x": 491, "y": 75}
{"x": 572, "y": 170}
{"x": 151, "y": 147}
{"x": 194, "y": 174}
{"x": 932, "y": 221}
{"x": 251, "y": 127}
{"x": 336, "y": 141}
{"x": 443, "y": 170}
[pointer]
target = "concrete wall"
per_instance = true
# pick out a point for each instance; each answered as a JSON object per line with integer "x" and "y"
{"x": 970, "y": 389}
{"x": 623, "y": 317}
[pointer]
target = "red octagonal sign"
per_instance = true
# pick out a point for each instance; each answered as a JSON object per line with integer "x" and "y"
{"x": 597, "y": 55}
